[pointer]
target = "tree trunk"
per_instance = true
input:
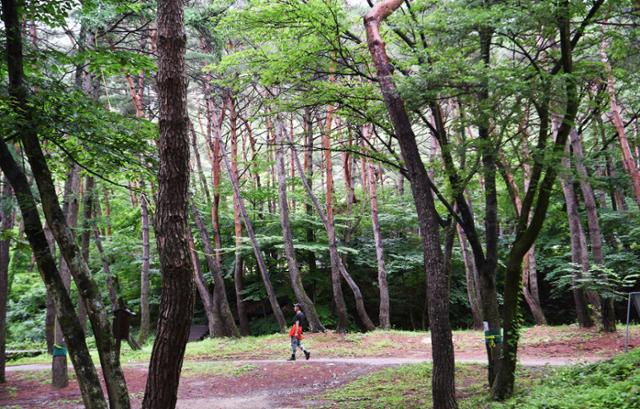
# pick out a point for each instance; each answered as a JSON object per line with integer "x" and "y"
{"x": 87, "y": 221}
{"x": 59, "y": 372}
{"x": 114, "y": 378}
{"x": 87, "y": 375}
{"x": 471, "y": 273}
{"x": 213, "y": 320}
{"x": 338, "y": 297}
{"x": 145, "y": 314}
{"x": 627, "y": 155}
{"x": 308, "y": 175}
{"x": 237, "y": 224}
{"x": 289, "y": 250}
{"x": 220, "y": 300}
{"x": 8, "y": 216}
{"x": 443, "y": 377}
{"x": 171, "y": 219}
{"x": 385, "y": 322}
{"x": 595, "y": 234}
{"x": 235, "y": 184}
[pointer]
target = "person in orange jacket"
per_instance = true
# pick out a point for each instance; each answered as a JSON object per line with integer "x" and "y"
{"x": 296, "y": 334}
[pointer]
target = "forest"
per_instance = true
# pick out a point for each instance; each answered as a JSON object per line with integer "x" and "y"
{"x": 395, "y": 167}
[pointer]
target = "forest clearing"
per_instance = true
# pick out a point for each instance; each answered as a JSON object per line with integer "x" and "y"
{"x": 215, "y": 369}
{"x": 320, "y": 203}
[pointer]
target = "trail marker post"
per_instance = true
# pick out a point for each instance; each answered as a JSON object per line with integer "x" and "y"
{"x": 635, "y": 297}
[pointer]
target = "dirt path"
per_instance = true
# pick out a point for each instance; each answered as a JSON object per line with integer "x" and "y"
{"x": 252, "y": 383}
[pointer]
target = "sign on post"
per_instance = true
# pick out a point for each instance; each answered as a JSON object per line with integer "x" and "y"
{"x": 635, "y": 299}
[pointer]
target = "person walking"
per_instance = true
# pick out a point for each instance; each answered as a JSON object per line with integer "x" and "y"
{"x": 296, "y": 333}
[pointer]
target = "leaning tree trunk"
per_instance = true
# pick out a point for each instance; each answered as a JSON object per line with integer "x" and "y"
{"x": 627, "y": 155}
{"x": 88, "y": 379}
{"x": 8, "y": 216}
{"x": 262, "y": 267}
{"x": 289, "y": 250}
{"x": 171, "y": 219}
{"x": 114, "y": 378}
{"x": 443, "y": 379}
{"x": 334, "y": 256}
{"x": 228, "y": 323}
{"x": 213, "y": 320}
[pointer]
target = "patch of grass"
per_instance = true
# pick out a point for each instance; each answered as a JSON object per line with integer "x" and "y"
{"x": 409, "y": 386}
{"x": 42, "y": 376}
{"x": 216, "y": 369}
{"x": 610, "y": 384}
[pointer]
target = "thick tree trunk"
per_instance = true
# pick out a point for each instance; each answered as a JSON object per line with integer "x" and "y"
{"x": 443, "y": 379}
{"x": 289, "y": 250}
{"x": 87, "y": 375}
{"x": 7, "y": 216}
{"x": 262, "y": 267}
{"x": 171, "y": 219}
{"x": 219, "y": 301}
{"x": 145, "y": 314}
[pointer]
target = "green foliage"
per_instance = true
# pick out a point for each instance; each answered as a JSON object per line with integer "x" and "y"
{"x": 610, "y": 384}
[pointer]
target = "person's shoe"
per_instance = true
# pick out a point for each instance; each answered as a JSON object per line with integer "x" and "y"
{"x": 307, "y": 355}
{"x": 292, "y": 358}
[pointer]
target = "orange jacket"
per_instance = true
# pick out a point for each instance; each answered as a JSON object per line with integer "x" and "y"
{"x": 292, "y": 331}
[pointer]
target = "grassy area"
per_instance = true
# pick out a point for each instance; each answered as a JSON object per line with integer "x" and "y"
{"x": 409, "y": 386}
{"x": 606, "y": 385}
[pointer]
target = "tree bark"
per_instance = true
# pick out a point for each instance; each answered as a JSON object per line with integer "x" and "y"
{"x": 87, "y": 375}
{"x": 262, "y": 267}
{"x": 616, "y": 118}
{"x": 577, "y": 249}
{"x": 220, "y": 301}
{"x": 7, "y": 215}
{"x": 114, "y": 378}
{"x": 471, "y": 274}
{"x": 384, "y": 314}
{"x": 289, "y": 250}
{"x": 595, "y": 233}
{"x": 70, "y": 206}
{"x": 338, "y": 297}
{"x": 87, "y": 220}
{"x": 443, "y": 379}
{"x": 213, "y": 320}
{"x": 237, "y": 224}
{"x": 171, "y": 219}
{"x": 145, "y": 314}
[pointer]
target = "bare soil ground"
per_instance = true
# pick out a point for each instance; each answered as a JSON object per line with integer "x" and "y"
{"x": 258, "y": 380}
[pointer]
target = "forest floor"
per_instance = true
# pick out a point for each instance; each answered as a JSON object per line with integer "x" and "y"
{"x": 252, "y": 372}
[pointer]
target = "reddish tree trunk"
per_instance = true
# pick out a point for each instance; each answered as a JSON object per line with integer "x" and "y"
{"x": 443, "y": 380}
